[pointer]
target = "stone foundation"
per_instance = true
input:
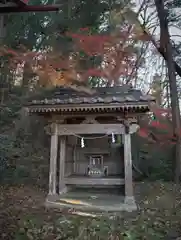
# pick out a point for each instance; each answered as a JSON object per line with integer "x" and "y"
{"x": 94, "y": 203}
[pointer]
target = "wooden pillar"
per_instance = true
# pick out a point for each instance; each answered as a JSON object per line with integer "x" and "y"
{"x": 53, "y": 161}
{"x": 62, "y": 186}
{"x": 75, "y": 155}
{"x": 129, "y": 195}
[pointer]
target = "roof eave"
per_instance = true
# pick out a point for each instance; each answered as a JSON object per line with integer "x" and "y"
{"x": 87, "y": 107}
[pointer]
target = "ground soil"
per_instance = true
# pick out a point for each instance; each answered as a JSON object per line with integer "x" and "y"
{"x": 24, "y": 217}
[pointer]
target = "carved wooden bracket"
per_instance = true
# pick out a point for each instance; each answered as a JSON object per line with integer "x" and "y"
{"x": 48, "y": 129}
{"x": 51, "y": 129}
{"x": 130, "y": 126}
{"x": 90, "y": 120}
{"x": 57, "y": 119}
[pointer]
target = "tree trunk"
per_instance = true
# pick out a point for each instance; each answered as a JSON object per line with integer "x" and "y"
{"x": 2, "y": 28}
{"x": 134, "y": 19}
{"x": 167, "y": 48}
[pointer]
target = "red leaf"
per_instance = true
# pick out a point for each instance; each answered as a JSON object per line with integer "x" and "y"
{"x": 91, "y": 44}
{"x": 159, "y": 111}
{"x": 143, "y": 133}
{"x": 84, "y": 29}
{"x": 12, "y": 52}
{"x": 159, "y": 125}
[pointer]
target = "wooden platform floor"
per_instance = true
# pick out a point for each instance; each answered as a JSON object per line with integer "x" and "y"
{"x": 91, "y": 181}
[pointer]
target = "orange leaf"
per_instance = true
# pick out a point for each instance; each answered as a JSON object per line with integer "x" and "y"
{"x": 94, "y": 72}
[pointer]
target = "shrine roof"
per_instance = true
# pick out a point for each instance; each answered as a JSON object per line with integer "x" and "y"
{"x": 66, "y": 98}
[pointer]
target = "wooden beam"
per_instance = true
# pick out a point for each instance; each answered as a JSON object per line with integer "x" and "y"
{"x": 128, "y": 166}
{"x": 30, "y": 8}
{"x": 90, "y": 181}
{"x": 62, "y": 163}
{"x": 73, "y": 129}
{"x": 74, "y": 158}
{"x": 90, "y": 120}
{"x": 53, "y": 163}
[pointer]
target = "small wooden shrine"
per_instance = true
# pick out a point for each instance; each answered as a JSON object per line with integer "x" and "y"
{"x": 91, "y": 137}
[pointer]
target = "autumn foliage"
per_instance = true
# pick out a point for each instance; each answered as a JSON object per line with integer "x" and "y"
{"x": 116, "y": 52}
{"x": 118, "y": 59}
{"x": 158, "y": 130}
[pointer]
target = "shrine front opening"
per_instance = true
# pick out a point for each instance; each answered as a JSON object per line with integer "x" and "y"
{"x": 95, "y": 160}
{"x": 89, "y": 158}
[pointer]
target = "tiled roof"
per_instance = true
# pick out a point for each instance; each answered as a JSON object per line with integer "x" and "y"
{"x": 102, "y": 95}
{"x": 121, "y": 98}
